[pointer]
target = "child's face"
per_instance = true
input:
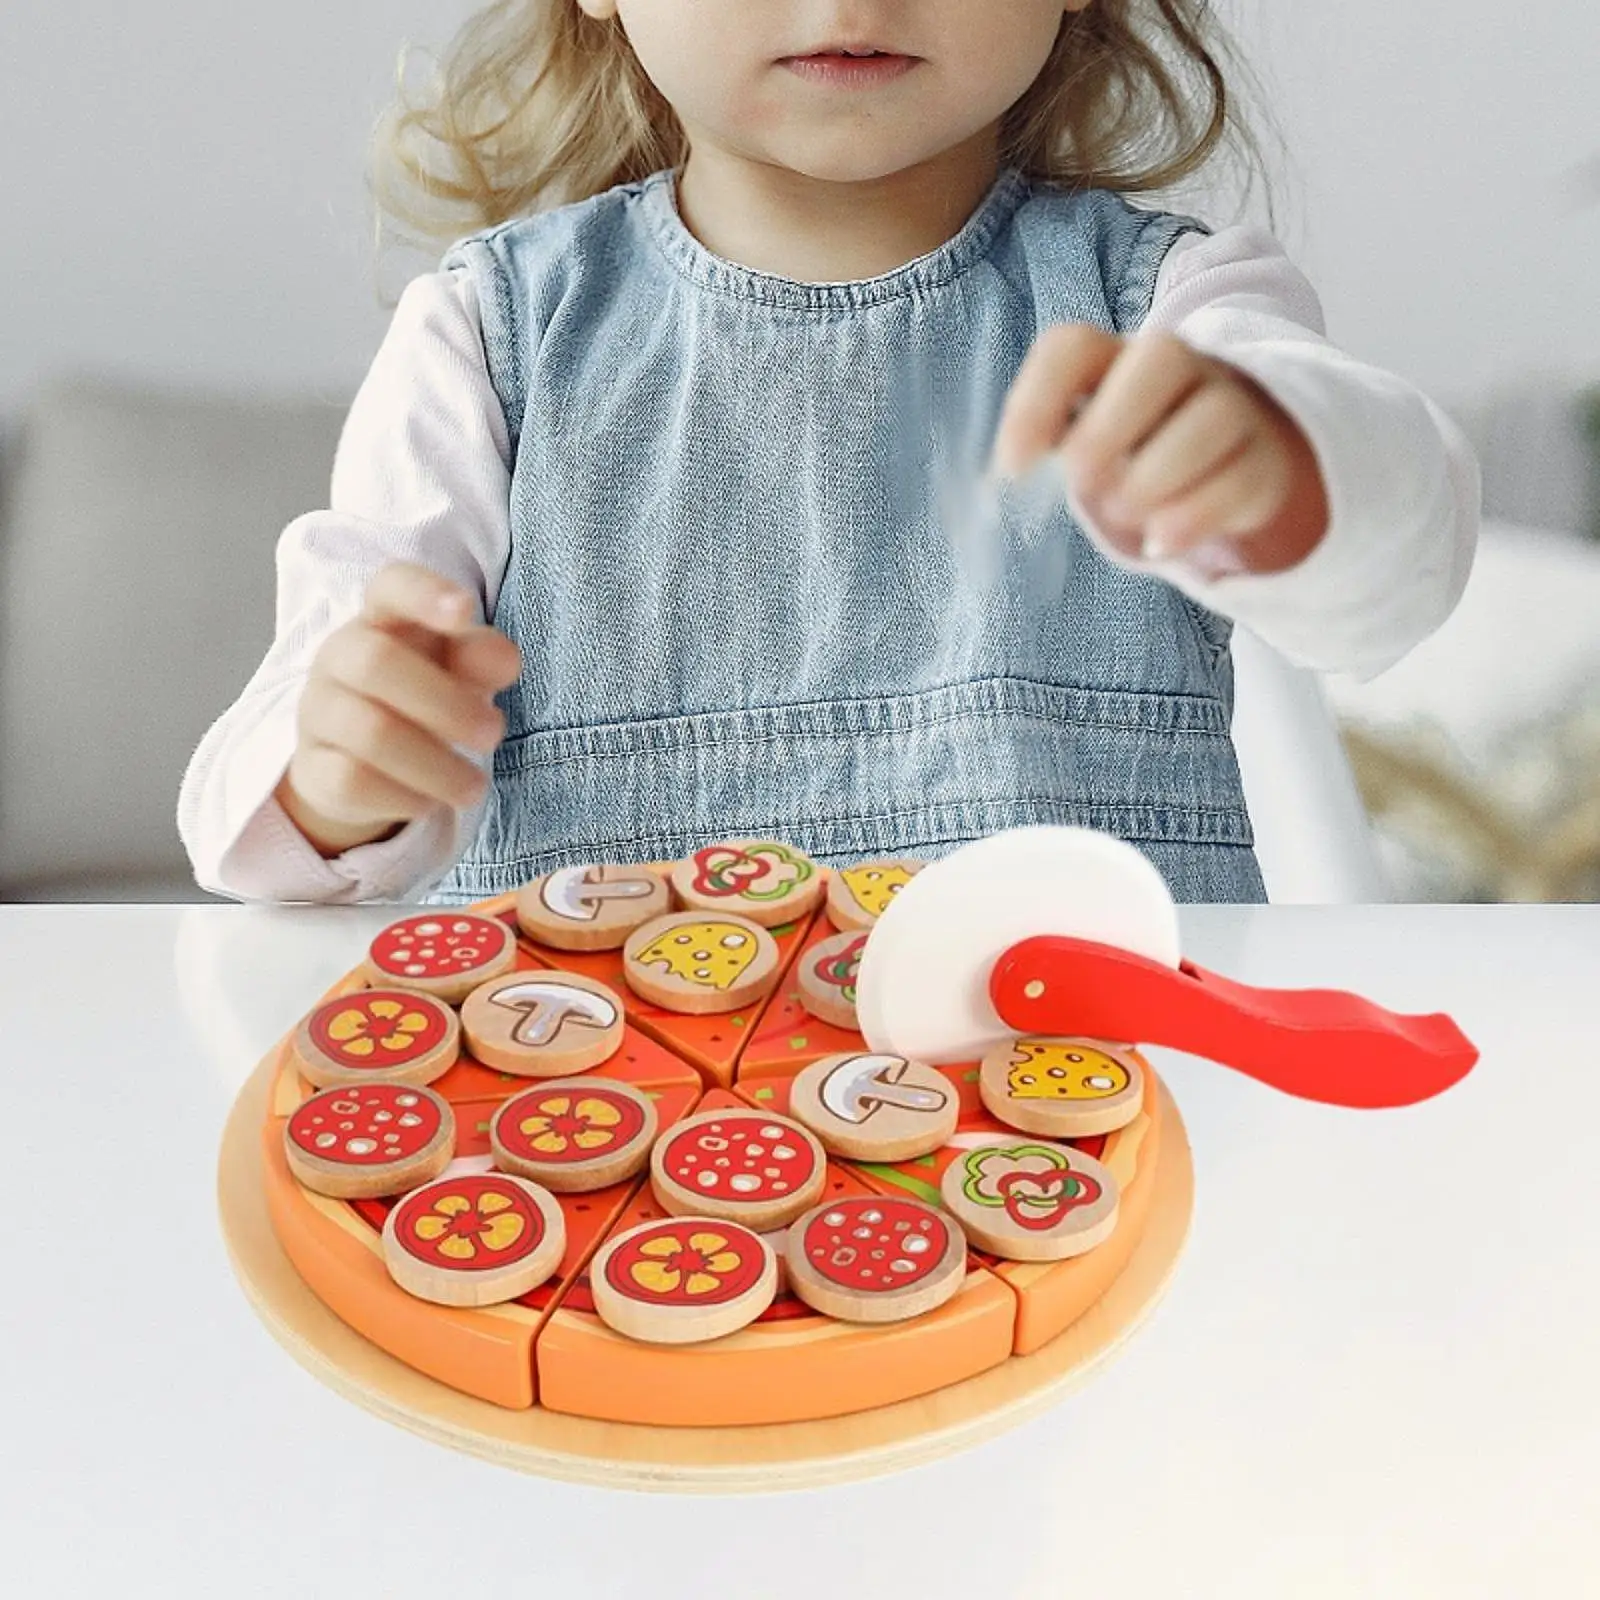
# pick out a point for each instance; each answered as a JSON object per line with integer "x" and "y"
{"x": 721, "y": 66}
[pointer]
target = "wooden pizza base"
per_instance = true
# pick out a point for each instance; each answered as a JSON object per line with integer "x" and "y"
{"x": 795, "y": 1455}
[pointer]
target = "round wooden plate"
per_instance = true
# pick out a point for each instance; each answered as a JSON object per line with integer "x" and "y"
{"x": 795, "y": 1455}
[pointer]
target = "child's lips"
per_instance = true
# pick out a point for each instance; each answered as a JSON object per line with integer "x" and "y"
{"x": 850, "y": 71}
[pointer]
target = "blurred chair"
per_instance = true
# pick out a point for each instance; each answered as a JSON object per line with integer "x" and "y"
{"x": 1313, "y": 839}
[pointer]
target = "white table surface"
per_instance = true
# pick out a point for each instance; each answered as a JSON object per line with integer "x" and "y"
{"x": 1377, "y": 1372}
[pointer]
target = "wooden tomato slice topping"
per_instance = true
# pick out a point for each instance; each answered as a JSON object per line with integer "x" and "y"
{"x": 681, "y": 1262}
{"x": 757, "y": 1169}
{"x": 574, "y": 1134}
{"x": 683, "y": 1279}
{"x": 446, "y": 953}
{"x": 474, "y": 1239}
{"x": 378, "y": 1035}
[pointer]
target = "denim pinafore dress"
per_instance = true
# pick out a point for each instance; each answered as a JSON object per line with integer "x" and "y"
{"x": 753, "y": 592}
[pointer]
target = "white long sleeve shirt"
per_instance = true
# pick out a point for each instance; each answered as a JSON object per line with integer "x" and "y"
{"x": 422, "y": 474}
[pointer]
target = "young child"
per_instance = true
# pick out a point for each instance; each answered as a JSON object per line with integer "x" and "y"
{"x": 654, "y": 521}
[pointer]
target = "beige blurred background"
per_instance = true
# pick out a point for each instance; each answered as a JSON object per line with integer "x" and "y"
{"x": 194, "y": 295}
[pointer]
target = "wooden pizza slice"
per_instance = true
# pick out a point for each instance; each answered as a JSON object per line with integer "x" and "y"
{"x": 486, "y": 1351}
{"x": 791, "y": 1364}
{"x": 1051, "y": 1294}
{"x": 712, "y": 1042}
{"x": 790, "y": 1034}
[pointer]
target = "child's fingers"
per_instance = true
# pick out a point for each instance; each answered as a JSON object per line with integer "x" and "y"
{"x": 346, "y": 790}
{"x": 1244, "y": 495}
{"x": 376, "y": 665}
{"x": 376, "y": 735}
{"x": 1153, "y": 374}
{"x": 404, "y": 593}
{"x": 1065, "y": 364}
{"x": 485, "y": 658}
{"x": 1215, "y": 422}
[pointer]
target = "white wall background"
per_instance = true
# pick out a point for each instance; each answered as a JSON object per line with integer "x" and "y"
{"x": 181, "y": 188}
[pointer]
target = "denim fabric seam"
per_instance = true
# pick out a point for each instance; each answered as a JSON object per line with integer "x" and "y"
{"x": 1155, "y": 824}
{"x": 699, "y": 266}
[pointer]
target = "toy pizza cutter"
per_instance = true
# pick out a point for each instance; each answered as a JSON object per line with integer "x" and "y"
{"x": 1071, "y": 933}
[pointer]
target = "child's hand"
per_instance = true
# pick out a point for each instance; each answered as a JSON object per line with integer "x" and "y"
{"x": 1166, "y": 449}
{"x": 388, "y": 696}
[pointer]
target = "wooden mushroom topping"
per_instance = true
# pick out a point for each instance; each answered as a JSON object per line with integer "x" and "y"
{"x": 875, "y": 1107}
{"x": 542, "y": 1024}
{"x": 590, "y": 907}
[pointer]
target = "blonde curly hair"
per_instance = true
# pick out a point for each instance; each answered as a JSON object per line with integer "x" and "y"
{"x": 536, "y": 104}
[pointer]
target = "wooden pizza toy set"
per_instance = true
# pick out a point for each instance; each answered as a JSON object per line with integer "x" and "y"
{"x": 744, "y": 1143}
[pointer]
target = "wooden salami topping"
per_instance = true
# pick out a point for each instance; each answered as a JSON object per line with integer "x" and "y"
{"x": 365, "y": 1140}
{"x": 1062, "y": 1088}
{"x": 699, "y": 964}
{"x": 574, "y": 1135}
{"x": 875, "y": 1107}
{"x": 768, "y": 882}
{"x": 591, "y": 907}
{"x": 858, "y": 896}
{"x": 542, "y": 1024}
{"x": 741, "y": 1166}
{"x": 474, "y": 1239}
{"x": 377, "y": 1036}
{"x": 865, "y": 1259}
{"x": 683, "y": 1280}
{"x": 445, "y": 953}
{"x": 1030, "y": 1202}
{"x": 826, "y": 978}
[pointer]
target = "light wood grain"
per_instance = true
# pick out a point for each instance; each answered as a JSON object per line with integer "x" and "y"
{"x": 688, "y": 1460}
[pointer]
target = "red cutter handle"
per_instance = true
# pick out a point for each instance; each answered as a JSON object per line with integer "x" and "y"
{"x": 1320, "y": 1044}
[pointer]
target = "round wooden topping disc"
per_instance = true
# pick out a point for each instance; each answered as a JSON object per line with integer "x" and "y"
{"x": 740, "y": 1166}
{"x": 474, "y": 1240}
{"x": 444, "y": 953}
{"x": 858, "y": 896}
{"x": 1031, "y": 1202}
{"x": 364, "y": 1140}
{"x": 590, "y": 908}
{"x": 1062, "y": 1088}
{"x": 875, "y": 1107}
{"x": 542, "y": 1024}
{"x": 700, "y": 964}
{"x": 866, "y": 1259}
{"x": 827, "y": 978}
{"x": 575, "y": 1134}
{"x": 683, "y": 1279}
{"x": 768, "y": 882}
{"x": 377, "y": 1036}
